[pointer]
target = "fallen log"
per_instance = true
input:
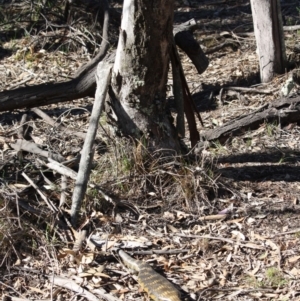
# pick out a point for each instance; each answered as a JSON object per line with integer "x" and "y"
{"x": 282, "y": 111}
{"x": 84, "y": 84}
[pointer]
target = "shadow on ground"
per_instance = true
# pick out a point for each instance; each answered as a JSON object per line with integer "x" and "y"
{"x": 271, "y": 156}
{"x": 262, "y": 173}
{"x": 275, "y": 166}
{"x": 10, "y": 118}
{"x": 4, "y": 52}
{"x": 206, "y": 100}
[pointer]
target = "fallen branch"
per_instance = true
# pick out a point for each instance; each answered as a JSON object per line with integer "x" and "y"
{"x": 161, "y": 252}
{"x": 83, "y": 84}
{"x": 48, "y": 202}
{"x": 285, "y": 110}
{"x": 291, "y": 28}
{"x": 31, "y": 147}
{"x": 178, "y": 90}
{"x": 54, "y": 123}
{"x": 11, "y": 298}
{"x": 61, "y": 169}
{"x": 21, "y": 129}
{"x": 63, "y": 190}
{"x": 212, "y": 217}
{"x": 221, "y": 46}
{"x": 285, "y": 233}
{"x": 230, "y": 241}
{"x": 185, "y": 40}
{"x": 249, "y": 90}
{"x": 103, "y": 76}
{"x": 73, "y": 286}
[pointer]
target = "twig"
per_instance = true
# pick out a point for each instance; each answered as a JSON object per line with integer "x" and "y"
{"x": 250, "y": 90}
{"x": 48, "y": 202}
{"x": 11, "y": 298}
{"x": 219, "y": 47}
{"x": 285, "y": 233}
{"x": 169, "y": 252}
{"x": 238, "y": 290}
{"x": 101, "y": 292}
{"x": 247, "y": 245}
{"x": 54, "y": 123}
{"x": 212, "y": 217}
{"x": 62, "y": 169}
{"x": 10, "y": 287}
{"x": 31, "y": 147}
{"x": 290, "y": 28}
{"x": 21, "y": 144}
{"x": 63, "y": 190}
{"x": 92, "y": 65}
{"x": 27, "y": 70}
{"x": 220, "y": 95}
{"x": 18, "y": 211}
{"x": 73, "y": 286}
{"x": 21, "y": 129}
{"x": 27, "y": 79}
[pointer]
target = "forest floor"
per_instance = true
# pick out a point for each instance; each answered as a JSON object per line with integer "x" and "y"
{"x": 222, "y": 222}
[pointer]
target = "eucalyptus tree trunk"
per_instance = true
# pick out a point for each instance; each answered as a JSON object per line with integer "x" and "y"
{"x": 139, "y": 77}
{"x": 269, "y": 36}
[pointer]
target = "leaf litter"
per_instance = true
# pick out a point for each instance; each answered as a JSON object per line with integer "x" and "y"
{"x": 224, "y": 225}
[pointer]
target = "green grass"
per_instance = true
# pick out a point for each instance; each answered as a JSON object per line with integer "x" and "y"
{"x": 275, "y": 278}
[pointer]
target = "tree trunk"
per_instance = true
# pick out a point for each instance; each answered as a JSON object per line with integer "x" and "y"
{"x": 139, "y": 77}
{"x": 269, "y": 38}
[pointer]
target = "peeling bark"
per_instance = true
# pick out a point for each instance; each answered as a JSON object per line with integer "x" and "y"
{"x": 139, "y": 78}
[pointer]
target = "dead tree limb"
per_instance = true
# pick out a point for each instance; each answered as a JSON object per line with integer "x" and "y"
{"x": 185, "y": 40}
{"x": 83, "y": 84}
{"x": 103, "y": 79}
{"x": 283, "y": 111}
{"x": 177, "y": 90}
{"x": 183, "y": 99}
{"x": 54, "y": 123}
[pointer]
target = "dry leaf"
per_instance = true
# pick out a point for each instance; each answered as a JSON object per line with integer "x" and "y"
{"x": 293, "y": 259}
